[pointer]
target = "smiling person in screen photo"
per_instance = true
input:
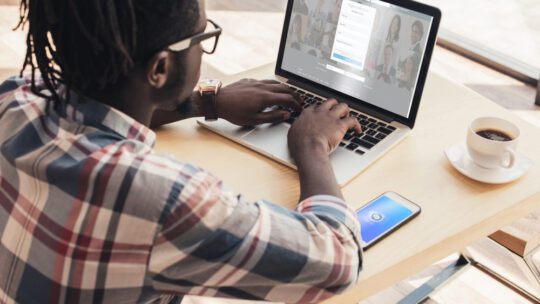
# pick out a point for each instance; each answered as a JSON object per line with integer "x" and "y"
{"x": 386, "y": 70}
{"x": 296, "y": 32}
{"x": 417, "y": 33}
{"x": 393, "y": 31}
{"x": 408, "y": 71}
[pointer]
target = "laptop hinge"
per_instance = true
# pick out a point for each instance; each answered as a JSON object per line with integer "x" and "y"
{"x": 353, "y": 104}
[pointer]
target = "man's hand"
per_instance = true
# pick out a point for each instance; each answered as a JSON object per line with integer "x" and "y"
{"x": 242, "y": 103}
{"x": 321, "y": 128}
{"x": 312, "y": 137}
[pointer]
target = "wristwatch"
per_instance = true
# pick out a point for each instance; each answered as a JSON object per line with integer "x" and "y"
{"x": 209, "y": 90}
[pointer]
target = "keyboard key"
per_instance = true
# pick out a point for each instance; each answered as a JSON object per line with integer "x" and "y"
{"x": 371, "y": 132}
{"x": 381, "y": 124}
{"x": 348, "y": 136}
{"x": 342, "y": 144}
{"x": 363, "y": 116}
{"x": 373, "y": 126}
{"x": 391, "y": 128}
{"x": 363, "y": 143}
{"x": 371, "y": 139}
{"x": 380, "y": 136}
{"x": 385, "y": 131}
{"x": 372, "y": 120}
{"x": 352, "y": 147}
{"x": 360, "y": 152}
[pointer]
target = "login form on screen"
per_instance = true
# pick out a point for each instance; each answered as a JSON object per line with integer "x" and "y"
{"x": 380, "y": 216}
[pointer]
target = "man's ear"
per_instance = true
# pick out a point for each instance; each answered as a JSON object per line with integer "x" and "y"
{"x": 158, "y": 69}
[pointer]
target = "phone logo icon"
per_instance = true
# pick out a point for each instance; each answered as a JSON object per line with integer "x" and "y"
{"x": 376, "y": 216}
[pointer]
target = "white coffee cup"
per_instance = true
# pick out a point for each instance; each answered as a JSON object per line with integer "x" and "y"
{"x": 490, "y": 153}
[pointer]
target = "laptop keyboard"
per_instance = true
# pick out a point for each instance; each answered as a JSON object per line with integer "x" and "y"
{"x": 373, "y": 130}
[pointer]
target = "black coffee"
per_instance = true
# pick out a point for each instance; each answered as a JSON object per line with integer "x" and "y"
{"x": 494, "y": 135}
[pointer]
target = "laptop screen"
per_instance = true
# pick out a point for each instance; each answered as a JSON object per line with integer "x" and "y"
{"x": 368, "y": 49}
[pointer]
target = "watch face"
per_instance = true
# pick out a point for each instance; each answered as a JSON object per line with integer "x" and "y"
{"x": 209, "y": 85}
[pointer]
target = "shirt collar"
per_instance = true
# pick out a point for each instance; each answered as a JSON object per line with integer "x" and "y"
{"x": 93, "y": 113}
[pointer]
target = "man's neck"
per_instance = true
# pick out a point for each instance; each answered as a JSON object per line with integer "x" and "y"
{"x": 136, "y": 103}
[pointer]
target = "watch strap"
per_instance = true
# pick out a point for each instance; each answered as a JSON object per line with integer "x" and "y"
{"x": 209, "y": 106}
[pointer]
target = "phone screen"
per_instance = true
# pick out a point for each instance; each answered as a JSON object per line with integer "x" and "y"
{"x": 380, "y": 216}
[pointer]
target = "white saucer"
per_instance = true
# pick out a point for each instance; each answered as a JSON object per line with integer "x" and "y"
{"x": 460, "y": 159}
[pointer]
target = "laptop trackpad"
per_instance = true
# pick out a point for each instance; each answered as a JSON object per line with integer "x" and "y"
{"x": 271, "y": 139}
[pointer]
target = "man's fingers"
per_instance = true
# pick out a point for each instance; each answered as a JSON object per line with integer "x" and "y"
{"x": 270, "y": 81}
{"x": 341, "y": 109}
{"x": 330, "y": 103}
{"x": 273, "y": 116}
{"x": 278, "y": 88}
{"x": 352, "y": 123}
{"x": 284, "y": 100}
{"x": 283, "y": 89}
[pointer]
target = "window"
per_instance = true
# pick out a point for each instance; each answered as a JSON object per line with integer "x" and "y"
{"x": 504, "y": 34}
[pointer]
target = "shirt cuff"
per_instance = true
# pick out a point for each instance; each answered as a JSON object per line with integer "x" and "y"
{"x": 332, "y": 207}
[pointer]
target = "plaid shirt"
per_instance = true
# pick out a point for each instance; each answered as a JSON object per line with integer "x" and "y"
{"x": 89, "y": 213}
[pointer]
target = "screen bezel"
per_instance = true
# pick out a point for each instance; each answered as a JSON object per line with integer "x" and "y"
{"x": 414, "y": 208}
{"x": 432, "y": 37}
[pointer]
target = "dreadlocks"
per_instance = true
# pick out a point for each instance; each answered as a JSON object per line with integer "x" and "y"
{"x": 91, "y": 44}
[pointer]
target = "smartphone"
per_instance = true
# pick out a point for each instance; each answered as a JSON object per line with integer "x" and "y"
{"x": 383, "y": 215}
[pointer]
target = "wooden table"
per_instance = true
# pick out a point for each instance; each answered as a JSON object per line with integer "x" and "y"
{"x": 456, "y": 211}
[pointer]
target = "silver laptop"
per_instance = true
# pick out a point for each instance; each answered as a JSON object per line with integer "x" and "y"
{"x": 374, "y": 55}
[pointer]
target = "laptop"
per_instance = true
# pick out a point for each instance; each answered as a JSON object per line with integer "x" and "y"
{"x": 373, "y": 55}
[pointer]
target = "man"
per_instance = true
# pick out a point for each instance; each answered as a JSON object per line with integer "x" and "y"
{"x": 89, "y": 213}
{"x": 386, "y": 71}
{"x": 417, "y": 33}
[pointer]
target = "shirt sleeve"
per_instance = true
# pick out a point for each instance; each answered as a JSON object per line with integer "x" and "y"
{"x": 212, "y": 243}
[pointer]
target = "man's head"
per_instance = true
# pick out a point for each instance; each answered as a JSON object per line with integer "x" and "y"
{"x": 103, "y": 46}
{"x": 417, "y": 31}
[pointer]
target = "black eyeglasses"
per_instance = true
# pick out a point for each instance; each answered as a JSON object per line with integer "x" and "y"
{"x": 208, "y": 39}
